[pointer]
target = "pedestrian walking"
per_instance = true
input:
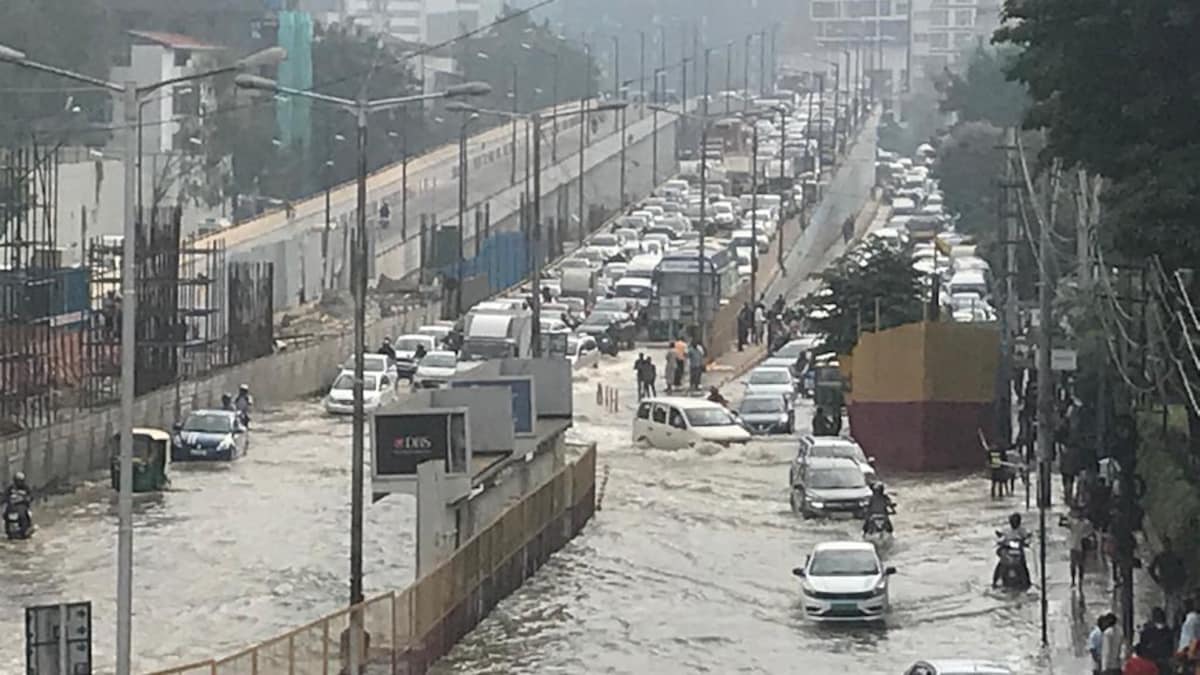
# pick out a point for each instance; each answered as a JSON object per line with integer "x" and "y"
{"x": 695, "y": 361}
{"x": 1110, "y": 647}
{"x": 760, "y": 323}
{"x": 745, "y": 319}
{"x": 1068, "y": 467}
{"x": 1080, "y": 530}
{"x": 681, "y": 358}
{"x": 672, "y": 365}
{"x": 639, "y": 369}
{"x": 1170, "y": 573}
{"x": 1095, "y": 642}
{"x": 1158, "y": 640}
{"x": 651, "y": 376}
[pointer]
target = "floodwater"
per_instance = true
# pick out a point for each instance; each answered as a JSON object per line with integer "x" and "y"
{"x": 687, "y": 569}
{"x": 231, "y": 554}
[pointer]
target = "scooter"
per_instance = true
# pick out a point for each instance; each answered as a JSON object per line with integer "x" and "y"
{"x": 18, "y": 517}
{"x": 1010, "y": 567}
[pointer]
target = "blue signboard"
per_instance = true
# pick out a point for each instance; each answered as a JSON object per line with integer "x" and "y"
{"x": 521, "y": 387}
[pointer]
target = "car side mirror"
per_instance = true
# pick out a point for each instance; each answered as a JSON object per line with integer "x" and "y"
{"x": 798, "y": 571}
{"x": 889, "y": 571}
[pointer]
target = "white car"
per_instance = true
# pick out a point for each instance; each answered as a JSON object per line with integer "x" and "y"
{"x": 844, "y": 581}
{"x": 673, "y": 422}
{"x": 608, "y": 244}
{"x": 439, "y": 331}
{"x": 635, "y": 290}
{"x": 957, "y": 667}
{"x": 373, "y": 364}
{"x": 778, "y": 381}
{"x": 582, "y": 351}
{"x": 376, "y": 392}
{"x": 435, "y": 370}
{"x": 406, "y": 351}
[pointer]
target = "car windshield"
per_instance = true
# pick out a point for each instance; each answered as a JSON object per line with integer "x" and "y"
{"x": 830, "y": 479}
{"x": 409, "y": 344}
{"x": 600, "y": 319}
{"x": 843, "y": 564}
{"x": 482, "y": 350}
{"x": 633, "y": 291}
{"x": 770, "y": 377}
{"x": 605, "y": 240}
{"x": 765, "y": 404}
{"x": 789, "y": 351}
{"x": 209, "y": 423}
{"x": 346, "y": 381}
{"x": 371, "y": 363}
{"x": 709, "y": 417}
{"x": 845, "y": 451}
{"x": 436, "y": 360}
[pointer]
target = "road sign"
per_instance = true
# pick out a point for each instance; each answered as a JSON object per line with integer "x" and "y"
{"x": 1063, "y": 360}
{"x": 58, "y": 639}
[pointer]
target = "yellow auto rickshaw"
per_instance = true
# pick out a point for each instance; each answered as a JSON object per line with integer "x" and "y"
{"x": 150, "y": 450}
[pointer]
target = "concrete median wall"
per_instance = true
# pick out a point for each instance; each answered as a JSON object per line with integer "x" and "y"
{"x": 54, "y": 455}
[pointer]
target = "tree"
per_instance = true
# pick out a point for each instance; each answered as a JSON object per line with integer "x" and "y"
{"x": 983, "y": 93}
{"x": 1113, "y": 86}
{"x": 970, "y": 161}
{"x": 873, "y": 272}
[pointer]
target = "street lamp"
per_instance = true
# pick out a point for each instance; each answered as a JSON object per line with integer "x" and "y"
{"x": 553, "y": 95}
{"x": 360, "y": 108}
{"x": 131, "y": 96}
{"x": 535, "y": 230}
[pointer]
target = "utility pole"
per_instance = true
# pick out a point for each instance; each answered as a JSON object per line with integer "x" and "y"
{"x": 583, "y": 125}
{"x": 515, "y": 108}
{"x": 683, "y": 97}
{"x": 658, "y": 73}
{"x": 728, "y": 73}
{"x": 535, "y": 231}
{"x": 746, "y": 72}
{"x": 762, "y": 63}
{"x": 1008, "y": 317}
{"x": 782, "y": 186}
{"x": 1045, "y": 394}
{"x": 703, "y": 205}
{"x": 1083, "y": 215}
{"x": 642, "y": 70}
{"x": 754, "y": 213}
{"x": 616, "y": 40}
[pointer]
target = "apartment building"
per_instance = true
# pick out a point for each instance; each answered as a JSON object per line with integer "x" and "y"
{"x": 417, "y": 21}
{"x": 895, "y": 36}
{"x": 877, "y": 31}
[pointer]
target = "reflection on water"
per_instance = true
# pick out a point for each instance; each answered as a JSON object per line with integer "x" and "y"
{"x": 688, "y": 569}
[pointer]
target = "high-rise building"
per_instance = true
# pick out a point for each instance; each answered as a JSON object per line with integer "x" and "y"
{"x": 945, "y": 31}
{"x": 417, "y": 21}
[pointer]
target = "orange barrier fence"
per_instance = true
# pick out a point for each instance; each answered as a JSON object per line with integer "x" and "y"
{"x": 407, "y": 631}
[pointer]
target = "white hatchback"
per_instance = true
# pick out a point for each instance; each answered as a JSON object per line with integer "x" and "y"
{"x": 673, "y": 422}
{"x": 377, "y": 390}
{"x": 844, "y": 581}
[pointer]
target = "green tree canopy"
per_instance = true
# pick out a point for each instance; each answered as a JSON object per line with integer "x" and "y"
{"x": 845, "y": 304}
{"x": 1113, "y": 84}
{"x": 983, "y": 93}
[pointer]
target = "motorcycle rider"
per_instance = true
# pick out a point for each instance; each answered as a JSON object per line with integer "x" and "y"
{"x": 387, "y": 349}
{"x": 1014, "y": 533}
{"x": 15, "y": 495}
{"x": 226, "y": 402}
{"x": 880, "y": 504}
{"x": 243, "y": 403}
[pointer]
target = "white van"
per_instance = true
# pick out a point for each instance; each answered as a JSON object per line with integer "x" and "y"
{"x": 969, "y": 281}
{"x": 642, "y": 266}
{"x": 673, "y": 422}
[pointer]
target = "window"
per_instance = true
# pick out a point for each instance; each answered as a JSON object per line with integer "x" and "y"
{"x": 902, "y": 8}
{"x": 920, "y": 38}
{"x": 677, "y": 419}
{"x": 860, "y": 8}
{"x": 963, "y": 40}
{"x": 939, "y": 17}
{"x": 660, "y": 414}
{"x": 182, "y": 56}
{"x": 824, "y": 9}
{"x": 939, "y": 40}
{"x": 895, "y": 29}
{"x": 643, "y": 412}
{"x": 964, "y": 17}
{"x": 885, "y": 7}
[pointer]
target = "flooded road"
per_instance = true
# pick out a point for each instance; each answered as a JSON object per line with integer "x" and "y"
{"x": 687, "y": 569}
{"x": 232, "y": 554}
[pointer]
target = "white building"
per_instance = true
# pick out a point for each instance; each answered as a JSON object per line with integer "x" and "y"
{"x": 896, "y": 36}
{"x": 420, "y": 21}
{"x": 155, "y": 57}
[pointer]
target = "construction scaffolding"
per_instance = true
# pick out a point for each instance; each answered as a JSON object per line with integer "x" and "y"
{"x": 181, "y": 326}
{"x": 251, "y": 310}
{"x": 42, "y": 304}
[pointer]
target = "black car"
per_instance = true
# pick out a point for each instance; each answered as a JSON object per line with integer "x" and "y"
{"x": 767, "y": 414}
{"x": 609, "y": 326}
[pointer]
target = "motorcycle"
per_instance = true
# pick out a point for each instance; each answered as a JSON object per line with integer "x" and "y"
{"x": 18, "y": 516}
{"x": 1010, "y": 568}
{"x": 877, "y": 530}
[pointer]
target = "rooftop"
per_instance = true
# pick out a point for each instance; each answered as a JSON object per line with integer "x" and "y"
{"x": 173, "y": 40}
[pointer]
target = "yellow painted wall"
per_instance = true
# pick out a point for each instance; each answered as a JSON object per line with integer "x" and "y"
{"x": 926, "y": 361}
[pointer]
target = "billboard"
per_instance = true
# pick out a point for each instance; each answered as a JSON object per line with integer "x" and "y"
{"x": 521, "y": 389}
{"x": 403, "y": 441}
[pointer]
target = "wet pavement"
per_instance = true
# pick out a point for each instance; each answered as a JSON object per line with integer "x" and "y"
{"x": 687, "y": 569}
{"x": 231, "y": 554}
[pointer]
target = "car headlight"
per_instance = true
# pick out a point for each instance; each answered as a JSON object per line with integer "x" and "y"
{"x": 816, "y": 504}
{"x": 881, "y": 586}
{"x": 864, "y": 502}
{"x": 226, "y": 444}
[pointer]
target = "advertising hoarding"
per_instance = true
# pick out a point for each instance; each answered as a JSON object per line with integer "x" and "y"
{"x": 521, "y": 389}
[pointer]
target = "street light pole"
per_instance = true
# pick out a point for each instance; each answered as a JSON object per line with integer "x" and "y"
{"x": 515, "y": 108}
{"x": 131, "y": 98}
{"x": 583, "y": 124}
{"x": 746, "y": 72}
{"x": 762, "y": 63}
{"x": 654, "y": 132}
{"x": 728, "y": 73}
{"x": 535, "y": 233}
{"x": 754, "y": 213}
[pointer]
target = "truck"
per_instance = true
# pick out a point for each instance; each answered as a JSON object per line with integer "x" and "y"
{"x": 579, "y": 282}
{"x": 490, "y": 333}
